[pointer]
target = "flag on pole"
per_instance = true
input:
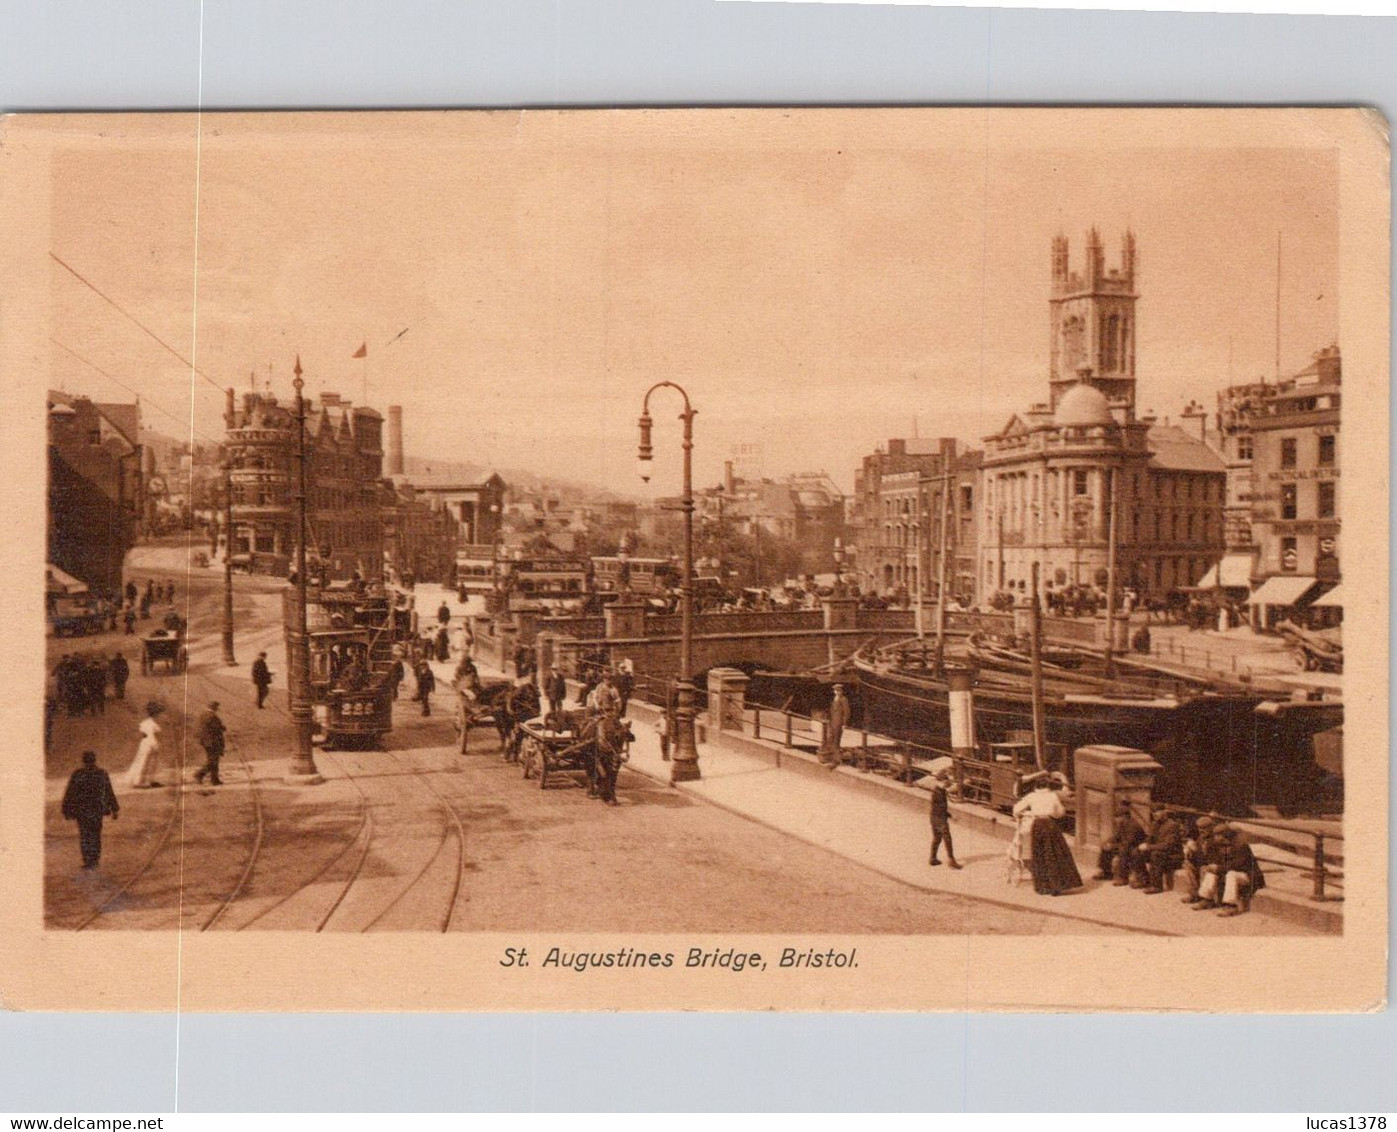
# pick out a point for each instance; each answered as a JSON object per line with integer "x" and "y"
{"x": 362, "y": 351}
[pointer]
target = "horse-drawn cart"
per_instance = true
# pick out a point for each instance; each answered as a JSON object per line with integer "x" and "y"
{"x": 164, "y": 647}
{"x": 572, "y": 744}
{"x": 547, "y": 751}
{"x": 479, "y": 702}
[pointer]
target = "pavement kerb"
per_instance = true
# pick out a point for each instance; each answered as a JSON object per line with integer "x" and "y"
{"x": 698, "y": 794}
{"x": 1315, "y": 916}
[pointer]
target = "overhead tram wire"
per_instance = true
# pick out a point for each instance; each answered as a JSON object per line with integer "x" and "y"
{"x": 144, "y": 399}
{"x": 133, "y": 320}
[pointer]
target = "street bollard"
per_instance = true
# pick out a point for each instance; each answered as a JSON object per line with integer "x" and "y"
{"x": 756, "y": 723}
{"x": 1319, "y": 866}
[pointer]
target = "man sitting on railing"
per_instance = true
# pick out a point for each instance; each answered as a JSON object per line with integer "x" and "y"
{"x": 1161, "y": 853}
{"x": 1200, "y": 851}
{"x": 1240, "y": 875}
{"x": 1116, "y": 860}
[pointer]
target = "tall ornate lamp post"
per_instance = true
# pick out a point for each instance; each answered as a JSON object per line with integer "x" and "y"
{"x": 684, "y": 761}
{"x": 302, "y": 771}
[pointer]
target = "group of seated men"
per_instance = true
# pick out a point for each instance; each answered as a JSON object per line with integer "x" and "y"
{"x": 1220, "y": 868}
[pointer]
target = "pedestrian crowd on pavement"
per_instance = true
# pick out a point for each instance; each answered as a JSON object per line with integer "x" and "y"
{"x": 81, "y": 682}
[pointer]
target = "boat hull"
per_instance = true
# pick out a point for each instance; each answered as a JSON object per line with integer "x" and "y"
{"x": 1226, "y": 752}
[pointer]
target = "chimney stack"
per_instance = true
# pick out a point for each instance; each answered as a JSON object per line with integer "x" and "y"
{"x": 395, "y": 440}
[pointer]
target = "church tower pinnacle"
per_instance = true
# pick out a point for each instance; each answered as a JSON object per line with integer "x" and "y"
{"x": 1092, "y": 314}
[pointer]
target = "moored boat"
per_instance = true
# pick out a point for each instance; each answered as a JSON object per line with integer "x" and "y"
{"x": 1226, "y": 748}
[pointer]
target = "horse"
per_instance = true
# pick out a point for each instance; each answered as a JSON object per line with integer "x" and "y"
{"x": 609, "y": 737}
{"x": 475, "y": 702}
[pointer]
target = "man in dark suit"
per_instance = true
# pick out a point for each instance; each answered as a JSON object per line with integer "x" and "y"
{"x": 261, "y": 678}
{"x": 941, "y": 821}
{"x": 1162, "y": 851}
{"x": 1118, "y": 853}
{"x": 88, "y": 799}
{"x": 556, "y": 689}
{"x": 211, "y": 737}
{"x": 121, "y": 672}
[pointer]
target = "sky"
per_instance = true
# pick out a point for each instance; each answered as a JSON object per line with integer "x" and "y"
{"x": 818, "y": 281}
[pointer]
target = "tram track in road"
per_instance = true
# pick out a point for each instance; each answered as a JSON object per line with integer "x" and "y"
{"x": 258, "y": 835}
{"x": 364, "y": 840}
{"x": 458, "y": 874}
{"x": 167, "y": 840}
{"x": 363, "y": 837}
{"x": 142, "y": 869}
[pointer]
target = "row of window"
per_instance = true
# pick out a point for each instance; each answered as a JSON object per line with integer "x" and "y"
{"x": 905, "y": 506}
{"x": 1325, "y": 500}
{"x": 1326, "y": 451}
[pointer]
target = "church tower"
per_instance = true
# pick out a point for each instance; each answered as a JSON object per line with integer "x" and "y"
{"x": 1093, "y": 323}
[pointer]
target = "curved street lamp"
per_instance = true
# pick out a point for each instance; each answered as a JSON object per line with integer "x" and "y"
{"x": 684, "y": 761}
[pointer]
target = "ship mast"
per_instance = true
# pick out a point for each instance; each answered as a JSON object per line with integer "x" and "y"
{"x": 1111, "y": 575}
{"x": 942, "y": 579}
{"x": 1036, "y": 672}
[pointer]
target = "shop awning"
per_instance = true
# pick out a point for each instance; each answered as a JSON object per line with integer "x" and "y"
{"x": 1282, "y": 590}
{"x": 1334, "y": 599}
{"x": 1232, "y": 572}
{"x": 58, "y": 581}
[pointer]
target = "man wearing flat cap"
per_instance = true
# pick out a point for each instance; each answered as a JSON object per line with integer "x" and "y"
{"x": 1162, "y": 851}
{"x": 1117, "y": 856}
{"x": 830, "y": 753}
{"x": 1199, "y": 853}
{"x": 211, "y": 735}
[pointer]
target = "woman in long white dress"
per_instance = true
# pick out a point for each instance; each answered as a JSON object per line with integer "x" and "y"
{"x": 141, "y": 773}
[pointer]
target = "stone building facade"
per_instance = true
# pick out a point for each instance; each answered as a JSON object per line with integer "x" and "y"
{"x": 419, "y": 535}
{"x": 344, "y": 448}
{"x": 95, "y": 489}
{"x": 899, "y": 503}
{"x": 1052, "y": 474}
{"x": 1295, "y": 514}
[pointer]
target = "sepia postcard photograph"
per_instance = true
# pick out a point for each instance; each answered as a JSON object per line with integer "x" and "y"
{"x": 717, "y": 559}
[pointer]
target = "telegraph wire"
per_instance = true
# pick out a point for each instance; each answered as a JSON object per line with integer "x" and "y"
{"x": 133, "y": 319}
{"x": 141, "y": 397}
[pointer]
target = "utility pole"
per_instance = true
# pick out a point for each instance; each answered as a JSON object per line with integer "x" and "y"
{"x": 302, "y": 771}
